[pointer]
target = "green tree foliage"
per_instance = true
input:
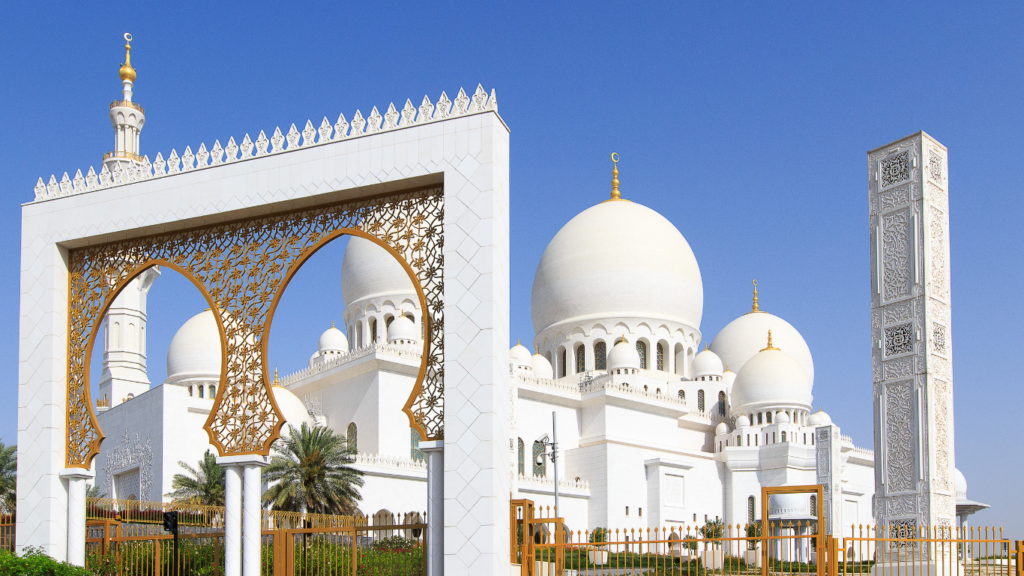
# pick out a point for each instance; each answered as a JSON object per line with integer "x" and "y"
{"x": 8, "y": 478}
{"x": 202, "y": 486}
{"x": 311, "y": 471}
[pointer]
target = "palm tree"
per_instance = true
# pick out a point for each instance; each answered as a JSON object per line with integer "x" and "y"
{"x": 311, "y": 471}
{"x": 8, "y": 478}
{"x": 203, "y": 486}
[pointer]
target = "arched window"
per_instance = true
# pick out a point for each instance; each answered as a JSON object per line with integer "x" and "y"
{"x": 721, "y": 403}
{"x": 189, "y": 390}
{"x": 814, "y": 498}
{"x": 373, "y": 330}
{"x": 661, "y": 356}
{"x": 359, "y": 335}
{"x": 387, "y": 321}
{"x": 201, "y": 388}
{"x": 414, "y": 446}
{"x": 750, "y": 510}
{"x": 700, "y": 400}
{"x": 581, "y": 359}
{"x": 542, "y": 468}
{"x": 760, "y": 419}
{"x": 352, "y": 435}
{"x": 213, "y": 391}
{"x": 783, "y": 436}
{"x": 641, "y": 349}
{"x": 600, "y": 356}
{"x": 561, "y": 365}
{"x": 522, "y": 457}
{"x": 682, "y": 395}
{"x": 768, "y": 415}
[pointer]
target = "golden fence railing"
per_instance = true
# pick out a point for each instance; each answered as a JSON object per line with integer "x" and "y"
{"x": 7, "y": 527}
{"x": 383, "y": 544}
{"x": 142, "y": 512}
{"x": 545, "y": 546}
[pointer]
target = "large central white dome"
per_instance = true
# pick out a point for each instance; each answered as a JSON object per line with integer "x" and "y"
{"x": 368, "y": 271}
{"x": 617, "y": 260}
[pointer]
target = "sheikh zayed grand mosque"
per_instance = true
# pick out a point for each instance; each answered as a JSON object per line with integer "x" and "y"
{"x": 658, "y": 423}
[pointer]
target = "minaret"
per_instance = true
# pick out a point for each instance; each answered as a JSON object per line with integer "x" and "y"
{"x": 911, "y": 336}
{"x": 127, "y": 118}
{"x": 124, "y": 343}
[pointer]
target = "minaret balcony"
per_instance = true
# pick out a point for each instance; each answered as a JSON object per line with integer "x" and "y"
{"x": 126, "y": 103}
{"x": 128, "y": 155}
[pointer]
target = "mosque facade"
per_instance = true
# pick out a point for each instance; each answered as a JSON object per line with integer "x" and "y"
{"x": 657, "y": 425}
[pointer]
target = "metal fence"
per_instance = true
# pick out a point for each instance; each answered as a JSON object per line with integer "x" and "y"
{"x": 542, "y": 545}
{"x": 7, "y": 532}
{"x": 384, "y": 545}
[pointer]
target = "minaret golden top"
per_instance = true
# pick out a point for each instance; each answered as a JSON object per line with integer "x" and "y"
{"x": 615, "y": 177}
{"x": 127, "y": 72}
{"x": 276, "y": 381}
{"x": 769, "y": 347}
{"x": 755, "y": 309}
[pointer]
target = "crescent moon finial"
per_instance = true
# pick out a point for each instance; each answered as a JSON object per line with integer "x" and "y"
{"x": 127, "y": 37}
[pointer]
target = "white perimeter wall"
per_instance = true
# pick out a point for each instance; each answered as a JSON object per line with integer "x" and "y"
{"x": 469, "y": 154}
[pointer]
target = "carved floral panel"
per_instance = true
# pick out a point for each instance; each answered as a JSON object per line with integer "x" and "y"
{"x": 243, "y": 266}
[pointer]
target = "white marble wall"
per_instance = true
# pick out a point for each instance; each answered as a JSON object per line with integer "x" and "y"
{"x": 468, "y": 153}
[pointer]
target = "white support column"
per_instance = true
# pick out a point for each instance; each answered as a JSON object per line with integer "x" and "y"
{"x": 252, "y": 508}
{"x": 242, "y": 515}
{"x": 232, "y": 520}
{"x": 76, "y": 478}
{"x": 435, "y": 506}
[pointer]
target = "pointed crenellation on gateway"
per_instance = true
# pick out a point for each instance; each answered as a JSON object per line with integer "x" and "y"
{"x": 130, "y": 166}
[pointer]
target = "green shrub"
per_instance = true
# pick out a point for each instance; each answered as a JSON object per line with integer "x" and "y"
{"x": 35, "y": 562}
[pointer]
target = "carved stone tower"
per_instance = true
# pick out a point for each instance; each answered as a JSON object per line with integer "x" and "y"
{"x": 910, "y": 335}
{"x": 124, "y": 343}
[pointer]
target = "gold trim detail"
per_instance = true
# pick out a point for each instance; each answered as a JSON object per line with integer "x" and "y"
{"x": 242, "y": 268}
{"x": 754, "y": 308}
{"x": 769, "y": 347}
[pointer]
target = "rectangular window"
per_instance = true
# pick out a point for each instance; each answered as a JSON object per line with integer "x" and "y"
{"x": 627, "y": 510}
{"x": 640, "y": 512}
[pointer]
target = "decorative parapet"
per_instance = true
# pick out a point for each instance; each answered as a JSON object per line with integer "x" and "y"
{"x": 587, "y": 383}
{"x": 393, "y": 119}
{"x": 846, "y": 439}
{"x": 393, "y": 462}
{"x": 866, "y": 452}
{"x": 544, "y": 481}
{"x": 403, "y": 351}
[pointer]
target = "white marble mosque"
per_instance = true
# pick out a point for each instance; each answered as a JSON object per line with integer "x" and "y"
{"x": 659, "y": 424}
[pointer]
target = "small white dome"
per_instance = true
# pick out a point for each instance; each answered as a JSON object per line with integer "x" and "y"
{"x": 333, "y": 340}
{"x": 707, "y": 362}
{"x": 623, "y": 356}
{"x": 369, "y": 271}
{"x": 743, "y": 338}
{"x": 520, "y": 357}
{"x": 782, "y": 418}
{"x": 195, "y": 350}
{"x": 770, "y": 380}
{"x": 819, "y": 418}
{"x": 722, "y": 428}
{"x": 617, "y": 259}
{"x": 742, "y": 421}
{"x": 960, "y": 486}
{"x": 541, "y": 367}
{"x": 403, "y": 329}
{"x": 294, "y": 410}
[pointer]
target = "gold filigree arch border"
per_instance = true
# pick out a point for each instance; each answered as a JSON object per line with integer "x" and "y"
{"x": 242, "y": 267}
{"x": 98, "y": 322}
{"x": 297, "y": 265}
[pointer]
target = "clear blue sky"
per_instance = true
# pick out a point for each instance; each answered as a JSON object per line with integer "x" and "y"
{"x": 746, "y": 124}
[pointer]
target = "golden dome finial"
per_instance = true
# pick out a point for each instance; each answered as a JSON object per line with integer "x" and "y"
{"x": 127, "y": 72}
{"x": 769, "y": 347}
{"x": 332, "y": 323}
{"x": 615, "y": 177}
{"x": 705, "y": 345}
{"x": 276, "y": 381}
{"x": 755, "y": 308}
